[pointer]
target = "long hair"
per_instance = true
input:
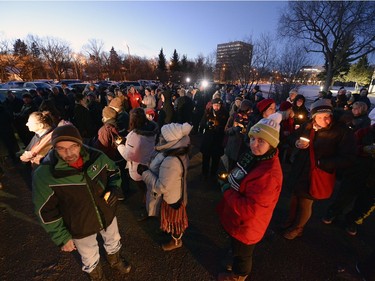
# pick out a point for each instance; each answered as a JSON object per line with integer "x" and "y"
{"x": 137, "y": 118}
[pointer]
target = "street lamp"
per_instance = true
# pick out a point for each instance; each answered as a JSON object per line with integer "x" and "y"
{"x": 188, "y": 81}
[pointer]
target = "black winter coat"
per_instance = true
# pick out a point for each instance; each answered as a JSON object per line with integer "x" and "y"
{"x": 213, "y": 125}
{"x": 334, "y": 149}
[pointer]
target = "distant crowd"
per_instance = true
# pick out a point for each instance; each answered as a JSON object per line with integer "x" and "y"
{"x": 140, "y": 137}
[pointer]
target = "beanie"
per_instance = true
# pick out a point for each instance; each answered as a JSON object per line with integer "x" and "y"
{"x": 175, "y": 131}
{"x": 66, "y": 133}
{"x": 293, "y": 91}
{"x": 116, "y": 102}
{"x": 321, "y": 106}
{"x": 217, "y": 100}
{"x": 150, "y": 111}
{"x": 267, "y": 129}
{"x": 109, "y": 113}
{"x": 246, "y": 105}
{"x": 285, "y": 105}
{"x": 264, "y": 104}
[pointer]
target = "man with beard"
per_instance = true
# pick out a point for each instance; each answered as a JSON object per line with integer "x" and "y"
{"x": 74, "y": 194}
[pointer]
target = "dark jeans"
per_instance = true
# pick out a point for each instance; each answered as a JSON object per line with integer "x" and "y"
{"x": 242, "y": 257}
{"x": 124, "y": 176}
{"x": 364, "y": 205}
{"x": 207, "y": 159}
{"x": 143, "y": 189}
{"x": 353, "y": 184}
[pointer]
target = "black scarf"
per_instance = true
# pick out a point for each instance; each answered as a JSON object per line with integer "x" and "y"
{"x": 245, "y": 164}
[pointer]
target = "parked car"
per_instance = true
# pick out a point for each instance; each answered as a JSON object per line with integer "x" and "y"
{"x": 78, "y": 87}
{"x": 17, "y": 91}
{"x": 69, "y": 81}
{"x": 13, "y": 84}
{"x": 127, "y": 84}
{"x": 34, "y": 85}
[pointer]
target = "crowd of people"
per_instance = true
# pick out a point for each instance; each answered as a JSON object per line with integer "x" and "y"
{"x": 86, "y": 149}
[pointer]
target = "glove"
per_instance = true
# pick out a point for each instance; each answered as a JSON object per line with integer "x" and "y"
{"x": 141, "y": 168}
{"x": 225, "y": 187}
{"x": 112, "y": 199}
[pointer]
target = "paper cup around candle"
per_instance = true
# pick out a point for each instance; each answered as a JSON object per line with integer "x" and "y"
{"x": 304, "y": 139}
{"x": 106, "y": 196}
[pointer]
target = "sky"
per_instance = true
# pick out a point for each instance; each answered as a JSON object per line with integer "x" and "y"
{"x": 142, "y": 28}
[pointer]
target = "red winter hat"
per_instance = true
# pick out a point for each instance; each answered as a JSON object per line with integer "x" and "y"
{"x": 264, "y": 104}
{"x": 285, "y": 105}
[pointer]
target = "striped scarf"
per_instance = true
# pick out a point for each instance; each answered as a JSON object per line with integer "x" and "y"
{"x": 245, "y": 164}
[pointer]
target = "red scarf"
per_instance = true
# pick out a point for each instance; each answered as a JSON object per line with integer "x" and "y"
{"x": 78, "y": 164}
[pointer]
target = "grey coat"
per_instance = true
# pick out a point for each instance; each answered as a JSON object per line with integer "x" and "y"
{"x": 165, "y": 179}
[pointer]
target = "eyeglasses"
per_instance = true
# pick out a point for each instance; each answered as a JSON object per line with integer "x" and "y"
{"x": 73, "y": 147}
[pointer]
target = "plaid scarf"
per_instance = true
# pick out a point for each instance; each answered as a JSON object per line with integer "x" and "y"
{"x": 245, "y": 164}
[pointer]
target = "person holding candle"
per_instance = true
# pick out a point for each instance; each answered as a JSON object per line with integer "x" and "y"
{"x": 330, "y": 146}
{"x": 301, "y": 114}
{"x": 250, "y": 195}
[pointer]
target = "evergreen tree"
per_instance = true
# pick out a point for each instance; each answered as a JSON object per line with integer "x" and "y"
{"x": 162, "y": 61}
{"x": 114, "y": 65}
{"x": 20, "y": 48}
{"x": 175, "y": 62}
{"x": 184, "y": 64}
{"x": 34, "y": 49}
{"x": 161, "y": 70}
{"x": 360, "y": 72}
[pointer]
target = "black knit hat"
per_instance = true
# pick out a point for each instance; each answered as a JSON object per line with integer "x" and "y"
{"x": 217, "y": 100}
{"x": 66, "y": 133}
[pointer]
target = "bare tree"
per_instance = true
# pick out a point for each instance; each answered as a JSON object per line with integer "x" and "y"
{"x": 342, "y": 31}
{"x": 97, "y": 58}
{"x": 264, "y": 54}
{"x": 291, "y": 60}
{"x": 56, "y": 53}
{"x": 4, "y": 58}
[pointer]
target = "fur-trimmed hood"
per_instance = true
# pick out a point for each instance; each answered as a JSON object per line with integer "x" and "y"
{"x": 149, "y": 129}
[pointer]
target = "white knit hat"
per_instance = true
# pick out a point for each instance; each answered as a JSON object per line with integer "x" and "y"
{"x": 175, "y": 131}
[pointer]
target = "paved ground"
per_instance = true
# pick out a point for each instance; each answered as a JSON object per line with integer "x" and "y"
{"x": 26, "y": 252}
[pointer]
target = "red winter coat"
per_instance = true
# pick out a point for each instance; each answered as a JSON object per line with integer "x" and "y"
{"x": 135, "y": 99}
{"x": 246, "y": 214}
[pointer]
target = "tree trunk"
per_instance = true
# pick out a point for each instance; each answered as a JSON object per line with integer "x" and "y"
{"x": 329, "y": 77}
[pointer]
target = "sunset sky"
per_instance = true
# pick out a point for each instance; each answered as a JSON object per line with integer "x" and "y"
{"x": 144, "y": 27}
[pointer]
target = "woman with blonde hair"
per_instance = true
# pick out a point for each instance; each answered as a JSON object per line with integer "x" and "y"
{"x": 41, "y": 123}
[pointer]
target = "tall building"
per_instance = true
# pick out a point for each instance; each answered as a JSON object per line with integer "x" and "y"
{"x": 233, "y": 61}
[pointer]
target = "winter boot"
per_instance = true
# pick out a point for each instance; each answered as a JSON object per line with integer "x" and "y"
{"x": 293, "y": 233}
{"x": 116, "y": 262}
{"x": 173, "y": 244}
{"x": 231, "y": 277}
{"x": 97, "y": 274}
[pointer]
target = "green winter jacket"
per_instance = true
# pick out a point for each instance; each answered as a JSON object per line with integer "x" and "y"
{"x": 69, "y": 204}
